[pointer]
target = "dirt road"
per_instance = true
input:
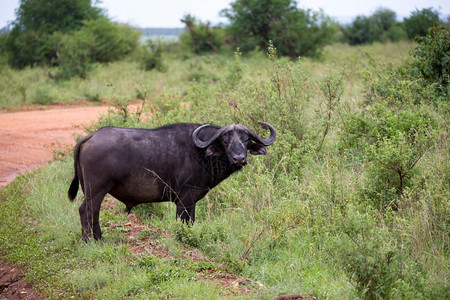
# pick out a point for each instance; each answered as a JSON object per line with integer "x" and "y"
{"x": 28, "y": 138}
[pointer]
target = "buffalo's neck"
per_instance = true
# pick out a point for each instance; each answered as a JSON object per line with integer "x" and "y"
{"x": 218, "y": 169}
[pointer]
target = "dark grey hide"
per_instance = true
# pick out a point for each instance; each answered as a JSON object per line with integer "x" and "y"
{"x": 178, "y": 162}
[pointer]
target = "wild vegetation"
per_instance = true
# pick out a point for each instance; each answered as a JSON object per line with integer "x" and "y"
{"x": 351, "y": 201}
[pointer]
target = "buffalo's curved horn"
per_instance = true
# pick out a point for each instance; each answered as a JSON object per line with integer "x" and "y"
{"x": 203, "y": 144}
{"x": 265, "y": 142}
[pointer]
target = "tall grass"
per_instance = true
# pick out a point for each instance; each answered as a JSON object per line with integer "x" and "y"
{"x": 306, "y": 218}
{"x": 126, "y": 79}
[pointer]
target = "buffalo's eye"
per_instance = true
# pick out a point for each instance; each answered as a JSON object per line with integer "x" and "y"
{"x": 244, "y": 139}
{"x": 226, "y": 139}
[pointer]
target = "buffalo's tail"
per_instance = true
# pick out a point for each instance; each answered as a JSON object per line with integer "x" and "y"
{"x": 73, "y": 189}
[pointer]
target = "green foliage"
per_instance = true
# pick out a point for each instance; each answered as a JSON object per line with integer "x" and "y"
{"x": 234, "y": 70}
{"x": 200, "y": 37}
{"x": 55, "y": 15}
{"x": 381, "y": 26}
{"x": 278, "y": 99}
{"x": 293, "y": 31}
{"x": 432, "y": 58}
{"x": 397, "y": 125}
{"x": 377, "y": 262}
{"x": 111, "y": 41}
{"x": 29, "y": 48}
{"x": 420, "y": 22}
{"x": 332, "y": 88}
{"x": 393, "y": 139}
{"x": 97, "y": 41}
{"x": 3, "y": 52}
{"x": 32, "y": 40}
{"x": 152, "y": 57}
{"x": 74, "y": 55}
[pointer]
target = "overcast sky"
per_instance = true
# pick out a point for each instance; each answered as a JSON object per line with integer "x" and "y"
{"x": 167, "y": 13}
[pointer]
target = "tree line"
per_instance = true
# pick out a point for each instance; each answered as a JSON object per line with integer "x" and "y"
{"x": 74, "y": 34}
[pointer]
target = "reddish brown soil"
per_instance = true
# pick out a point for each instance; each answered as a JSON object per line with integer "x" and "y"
{"x": 13, "y": 287}
{"x": 28, "y": 138}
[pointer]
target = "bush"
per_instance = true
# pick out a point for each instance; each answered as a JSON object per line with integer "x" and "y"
{"x": 392, "y": 140}
{"x": 75, "y": 55}
{"x": 30, "y": 48}
{"x": 98, "y": 41}
{"x": 110, "y": 41}
{"x": 372, "y": 257}
{"x": 152, "y": 57}
{"x": 397, "y": 125}
{"x": 432, "y": 59}
{"x": 200, "y": 37}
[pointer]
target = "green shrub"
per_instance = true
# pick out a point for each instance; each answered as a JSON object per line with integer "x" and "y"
{"x": 43, "y": 95}
{"x": 432, "y": 59}
{"x": 372, "y": 257}
{"x": 234, "y": 70}
{"x": 281, "y": 99}
{"x": 75, "y": 55}
{"x": 200, "y": 37}
{"x": 111, "y": 41}
{"x": 392, "y": 140}
{"x": 152, "y": 57}
{"x": 98, "y": 41}
{"x": 30, "y": 48}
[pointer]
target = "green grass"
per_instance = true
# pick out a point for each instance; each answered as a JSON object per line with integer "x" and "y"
{"x": 309, "y": 218}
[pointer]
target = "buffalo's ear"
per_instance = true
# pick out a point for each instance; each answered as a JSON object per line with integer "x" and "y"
{"x": 256, "y": 149}
{"x": 212, "y": 151}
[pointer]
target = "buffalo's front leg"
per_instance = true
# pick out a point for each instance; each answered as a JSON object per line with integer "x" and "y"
{"x": 186, "y": 212}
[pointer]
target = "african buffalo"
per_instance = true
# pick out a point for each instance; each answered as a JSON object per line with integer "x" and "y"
{"x": 178, "y": 162}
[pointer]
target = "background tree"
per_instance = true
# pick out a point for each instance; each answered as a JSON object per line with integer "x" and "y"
{"x": 294, "y": 32}
{"x": 54, "y": 15}
{"x": 363, "y": 30}
{"x": 420, "y": 21}
{"x": 381, "y": 26}
{"x": 33, "y": 38}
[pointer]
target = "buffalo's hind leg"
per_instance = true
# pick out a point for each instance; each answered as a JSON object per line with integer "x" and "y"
{"x": 85, "y": 228}
{"x": 89, "y": 215}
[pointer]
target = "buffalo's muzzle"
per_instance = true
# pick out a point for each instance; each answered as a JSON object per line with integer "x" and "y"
{"x": 239, "y": 160}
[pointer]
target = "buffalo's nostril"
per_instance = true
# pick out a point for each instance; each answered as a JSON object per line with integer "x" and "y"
{"x": 240, "y": 159}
